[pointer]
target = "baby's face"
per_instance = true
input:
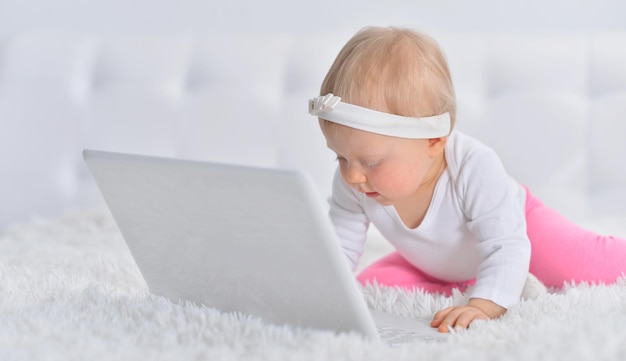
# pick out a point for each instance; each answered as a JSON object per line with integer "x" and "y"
{"x": 386, "y": 169}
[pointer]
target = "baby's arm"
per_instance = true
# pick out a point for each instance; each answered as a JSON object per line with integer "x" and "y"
{"x": 462, "y": 316}
{"x": 349, "y": 220}
{"x": 492, "y": 204}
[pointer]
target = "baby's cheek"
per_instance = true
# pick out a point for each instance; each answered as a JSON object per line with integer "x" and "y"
{"x": 393, "y": 185}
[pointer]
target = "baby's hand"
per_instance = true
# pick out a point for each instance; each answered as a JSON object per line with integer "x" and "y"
{"x": 462, "y": 316}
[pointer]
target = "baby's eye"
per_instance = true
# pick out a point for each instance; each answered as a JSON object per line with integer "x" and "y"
{"x": 371, "y": 164}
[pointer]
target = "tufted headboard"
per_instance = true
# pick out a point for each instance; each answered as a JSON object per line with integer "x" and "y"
{"x": 552, "y": 105}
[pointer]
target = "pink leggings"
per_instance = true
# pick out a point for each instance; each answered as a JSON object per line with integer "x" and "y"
{"x": 561, "y": 252}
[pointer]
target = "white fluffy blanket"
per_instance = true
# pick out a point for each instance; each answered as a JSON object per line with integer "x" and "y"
{"x": 69, "y": 290}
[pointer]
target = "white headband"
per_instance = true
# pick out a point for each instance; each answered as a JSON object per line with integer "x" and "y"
{"x": 331, "y": 108}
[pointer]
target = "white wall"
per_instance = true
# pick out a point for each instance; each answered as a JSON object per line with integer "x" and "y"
{"x": 225, "y": 16}
{"x": 56, "y": 41}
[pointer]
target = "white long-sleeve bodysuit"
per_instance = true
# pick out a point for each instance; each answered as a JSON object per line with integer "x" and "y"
{"x": 475, "y": 225}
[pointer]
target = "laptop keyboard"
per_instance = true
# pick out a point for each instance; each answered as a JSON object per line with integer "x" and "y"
{"x": 396, "y": 336}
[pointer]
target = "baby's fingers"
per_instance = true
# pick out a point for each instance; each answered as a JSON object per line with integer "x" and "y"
{"x": 465, "y": 318}
{"x": 446, "y": 318}
{"x": 440, "y": 316}
{"x": 456, "y": 317}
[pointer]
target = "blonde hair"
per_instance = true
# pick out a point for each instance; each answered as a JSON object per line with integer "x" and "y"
{"x": 395, "y": 70}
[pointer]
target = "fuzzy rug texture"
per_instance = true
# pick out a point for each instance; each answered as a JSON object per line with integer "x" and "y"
{"x": 69, "y": 290}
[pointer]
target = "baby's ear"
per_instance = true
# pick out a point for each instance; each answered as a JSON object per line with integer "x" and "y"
{"x": 436, "y": 145}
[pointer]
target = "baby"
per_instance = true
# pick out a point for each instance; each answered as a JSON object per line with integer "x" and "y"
{"x": 441, "y": 198}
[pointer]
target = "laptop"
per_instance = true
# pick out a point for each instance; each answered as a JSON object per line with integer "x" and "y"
{"x": 256, "y": 241}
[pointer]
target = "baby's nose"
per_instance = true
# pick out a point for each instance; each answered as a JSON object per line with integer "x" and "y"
{"x": 355, "y": 176}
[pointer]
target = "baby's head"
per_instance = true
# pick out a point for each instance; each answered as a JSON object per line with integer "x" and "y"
{"x": 397, "y": 71}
